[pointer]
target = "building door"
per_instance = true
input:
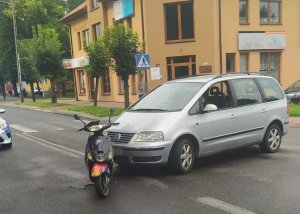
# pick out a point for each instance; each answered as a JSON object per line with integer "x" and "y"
{"x": 230, "y": 61}
{"x": 181, "y": 66}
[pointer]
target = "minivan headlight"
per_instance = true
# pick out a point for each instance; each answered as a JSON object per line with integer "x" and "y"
{"x": 3, "y": 123}
{"x": 149, "y": 137}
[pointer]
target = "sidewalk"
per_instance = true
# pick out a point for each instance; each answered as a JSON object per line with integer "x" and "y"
{"x": 10, "y": 101}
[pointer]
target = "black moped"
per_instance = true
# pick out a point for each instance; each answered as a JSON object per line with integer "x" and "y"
{"x": 99, "y": 154}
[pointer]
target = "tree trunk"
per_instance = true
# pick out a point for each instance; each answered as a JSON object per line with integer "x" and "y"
{"x": 96, "y": 91}
{"x": 63, "y": 88}
{"x": 38, "y": 87}
{"x": 32, "y": 91}
{"x": 15, "y": 87}
{"x": 53, "y": 91}
{"x": 3, "y": 90}
{"x": 126, "y": 91}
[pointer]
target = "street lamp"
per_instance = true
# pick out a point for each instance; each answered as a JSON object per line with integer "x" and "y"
{"x": 17, "y": 49}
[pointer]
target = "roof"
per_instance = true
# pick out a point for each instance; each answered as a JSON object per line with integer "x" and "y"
{"x": 81, "y": 9}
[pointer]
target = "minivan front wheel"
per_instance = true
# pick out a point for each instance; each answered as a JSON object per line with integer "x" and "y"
{"x": 272, "y": 139}
{"x": 182, "y": 156}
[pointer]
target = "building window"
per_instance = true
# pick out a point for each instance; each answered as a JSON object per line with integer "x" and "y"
{"x": 82, "y": 83}
{"x": 181, "y": 66}
{"x": 121, "y": 85}
{"x": 244, "y": 62}
{"x": 270, "y": 64}
{"x": 270, "y": 11}
{"x": 79, "y": 41}
{"x": 86, "y": 37}
{"x": 133, "y": 85}
{"x": 94, "y": 4}
{"x": 243, "y": 11}
{"x": 106, "y": 84}
{"x": 96, "y": 31}
{"x": 179, "y": 21}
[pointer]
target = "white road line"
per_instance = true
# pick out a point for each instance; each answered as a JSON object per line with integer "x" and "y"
{"x": 55, "y": 145}
{"x": 50, "y": 126}
{"x": 221, "y": 205}
{"x": 49, "y": 146}
{"x": 22, "y": 128}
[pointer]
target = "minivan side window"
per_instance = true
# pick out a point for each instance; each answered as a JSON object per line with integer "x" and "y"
{"x": 246, "y": 92}
{"x": 271, "y": 89}
{"x": 218, "y": 94}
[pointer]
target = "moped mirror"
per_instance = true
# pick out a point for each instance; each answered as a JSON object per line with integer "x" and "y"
{"x": 2, "y": 111}
{"x": 76, "y": 117}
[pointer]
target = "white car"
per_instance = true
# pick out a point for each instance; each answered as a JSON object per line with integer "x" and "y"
{"x": 5, "y": 133}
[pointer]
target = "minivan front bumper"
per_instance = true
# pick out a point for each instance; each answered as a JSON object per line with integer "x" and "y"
{"x": 142, "y": 153}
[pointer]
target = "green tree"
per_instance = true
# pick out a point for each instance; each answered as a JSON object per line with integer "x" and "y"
{"x": 72, "y": 4}
{"x": 48, "y": 57}
{"x": 123, "y": 44}
{"x": 99, "y": 61}
{"x": 30, "y": 73}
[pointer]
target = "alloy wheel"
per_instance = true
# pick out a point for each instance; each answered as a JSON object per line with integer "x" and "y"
{"x": 186, "y": 156}
{"x": 274, "y": 138}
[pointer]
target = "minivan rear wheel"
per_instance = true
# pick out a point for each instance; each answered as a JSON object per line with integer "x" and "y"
{"x": 272, "y": 139}
{"x": 181, "y": 158}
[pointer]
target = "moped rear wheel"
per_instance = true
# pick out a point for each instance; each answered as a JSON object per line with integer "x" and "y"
{"x": 102, "y": 185}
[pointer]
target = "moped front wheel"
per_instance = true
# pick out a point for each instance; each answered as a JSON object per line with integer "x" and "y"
{"x": 102, "y": 185}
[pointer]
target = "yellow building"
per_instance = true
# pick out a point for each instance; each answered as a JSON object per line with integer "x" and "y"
{"x": 190, "y": 37}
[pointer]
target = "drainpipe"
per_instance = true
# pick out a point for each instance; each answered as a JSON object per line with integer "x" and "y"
{"x": 220, "y": 36}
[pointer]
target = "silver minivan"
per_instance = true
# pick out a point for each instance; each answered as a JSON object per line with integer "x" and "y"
{"x": 191, "y": 117}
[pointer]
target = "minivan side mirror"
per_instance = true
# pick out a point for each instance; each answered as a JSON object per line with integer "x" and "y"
{"x": 2, "y": 111}
{"x": 210, "y": 107}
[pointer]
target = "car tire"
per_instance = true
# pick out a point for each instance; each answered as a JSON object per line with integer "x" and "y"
{"x": 182, "y": 156}
{"x": 272, "y": 139}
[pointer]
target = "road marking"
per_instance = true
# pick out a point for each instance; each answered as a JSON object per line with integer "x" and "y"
{"x": 221, "y": 205}
{"x": 56, "y": 147}
{"x": 22, "y": 128}
{"x": 50, "y": 126}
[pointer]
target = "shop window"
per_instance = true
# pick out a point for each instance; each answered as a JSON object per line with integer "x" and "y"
{"x": 181, "y": 66}
{"x": 270, "y": 11}
{"x": 270, "y": 64}
{"x": 96, "y": 31}
{"x": 179, "y": 21}
{"x": 82, "y": 83}
{"x": 243, "y": 11}
{"x": 106, "y": 85}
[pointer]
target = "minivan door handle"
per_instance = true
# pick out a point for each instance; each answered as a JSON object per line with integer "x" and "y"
{"x": 233, "y": 116}
{"x": 264, "y": 110}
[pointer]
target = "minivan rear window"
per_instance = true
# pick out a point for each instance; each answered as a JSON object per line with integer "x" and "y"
{"x": 271, "y": 89}
{"x": 168, "y": 97}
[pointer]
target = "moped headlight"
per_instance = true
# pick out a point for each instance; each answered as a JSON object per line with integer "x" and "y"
{"x": 149, "y": 137}
{"x": 3, "y": 123}
{"x": 95, "y": 128}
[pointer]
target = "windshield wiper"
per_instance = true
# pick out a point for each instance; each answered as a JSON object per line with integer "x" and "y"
{"x": 148, "y": 109}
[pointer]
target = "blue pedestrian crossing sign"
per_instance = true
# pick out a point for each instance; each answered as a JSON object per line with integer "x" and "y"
{"x": 142, "y": 61}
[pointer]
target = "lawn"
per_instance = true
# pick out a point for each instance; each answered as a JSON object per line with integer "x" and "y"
{"x": 294, "y": 110}
{"x": 94, "y": 110}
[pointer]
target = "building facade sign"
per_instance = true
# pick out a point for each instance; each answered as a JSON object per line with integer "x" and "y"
{"x": 262, "y": 41}
{"x": 75, "y": 63}
{"x": 123, "y": 9}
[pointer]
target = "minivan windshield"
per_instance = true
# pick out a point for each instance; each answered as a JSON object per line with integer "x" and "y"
{"x": 168, "y": 97}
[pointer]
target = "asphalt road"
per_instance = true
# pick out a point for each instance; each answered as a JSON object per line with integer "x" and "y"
{"x": 44, "y": 172}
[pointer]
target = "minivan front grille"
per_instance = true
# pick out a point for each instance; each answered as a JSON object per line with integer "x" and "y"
{"x": 120, "y": 137}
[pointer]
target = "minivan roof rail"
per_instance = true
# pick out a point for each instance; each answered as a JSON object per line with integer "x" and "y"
{"x": 239, "y": 73}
